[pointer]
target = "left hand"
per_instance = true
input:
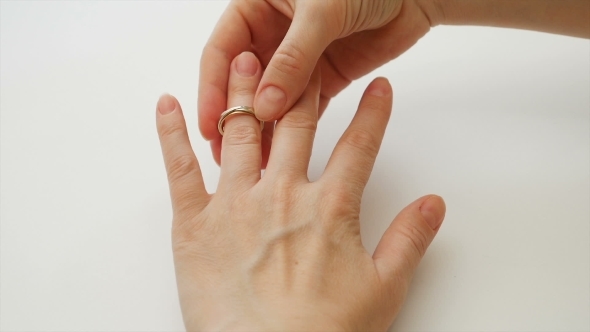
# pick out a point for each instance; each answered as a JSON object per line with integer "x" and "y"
{"x": 347, "y": 38}
{"x": 281, "y": 253}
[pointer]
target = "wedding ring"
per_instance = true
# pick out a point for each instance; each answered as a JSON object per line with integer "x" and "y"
{"x": 236, "y": 110}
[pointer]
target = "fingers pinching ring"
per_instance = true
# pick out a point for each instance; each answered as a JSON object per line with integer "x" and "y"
{"x": 236, "y": 110}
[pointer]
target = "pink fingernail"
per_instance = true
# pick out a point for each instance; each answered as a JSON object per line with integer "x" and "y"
{"x": 246, "y": 64}
{"x": 166, "y": 104}
{"x": 271, "y": 102}
{"x": 432, "y": 212}
{"x": 379, "y": 87}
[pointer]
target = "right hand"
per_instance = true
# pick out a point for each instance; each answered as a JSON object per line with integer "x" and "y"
{"x": 348, "y": 38}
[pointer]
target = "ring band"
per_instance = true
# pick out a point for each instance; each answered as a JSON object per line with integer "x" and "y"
{"x": 236, "y": 110}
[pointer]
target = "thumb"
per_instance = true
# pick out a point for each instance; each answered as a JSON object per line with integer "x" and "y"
{"x": 290, "y": 68}
{"x": 405, "y": 241}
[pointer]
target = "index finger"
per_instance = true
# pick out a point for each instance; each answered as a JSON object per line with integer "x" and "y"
{"x": 230, "y": 38}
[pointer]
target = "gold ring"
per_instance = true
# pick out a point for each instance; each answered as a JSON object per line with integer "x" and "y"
{"x": 236, "y": 110}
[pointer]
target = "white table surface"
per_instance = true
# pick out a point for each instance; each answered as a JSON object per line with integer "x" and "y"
{"x": 496, "y": 121}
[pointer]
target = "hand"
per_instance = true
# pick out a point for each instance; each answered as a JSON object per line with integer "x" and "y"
{"x": 348, "y": 38}
{"x": 280, "y": 252}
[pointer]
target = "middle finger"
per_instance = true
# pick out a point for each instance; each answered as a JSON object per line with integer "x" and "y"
{"x": 294, "y": 134}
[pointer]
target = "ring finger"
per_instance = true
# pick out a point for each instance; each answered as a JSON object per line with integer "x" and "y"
{"x": 240, "y": 153}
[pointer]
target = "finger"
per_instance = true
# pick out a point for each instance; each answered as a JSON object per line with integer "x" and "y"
{"x": 216, "y": 149}
{"x": 266, "y": 143}
{"x": 187, "y": 189}
{"x": 240, "y": 149}
{"x": 294, "y": 134}
{"x": 354, "y": 155}
{"x": 333, "y": 79}
{"x": 324, "y": 101}
{"x": 267, "y": 138}
{"x": 288, "y": 72}
{"x": 405, "y": 241}
{"x": 230, "y": 38}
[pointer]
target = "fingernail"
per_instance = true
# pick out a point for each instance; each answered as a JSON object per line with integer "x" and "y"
{"x": 246, "y": 64}
{"x": 379, "y": 87}
{"x": 166, "y": 104}
{"x": 270, "y": 102}
{"x": 433, "y": 211}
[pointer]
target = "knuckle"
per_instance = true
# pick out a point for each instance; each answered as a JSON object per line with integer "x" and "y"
{"x": 171, "y": 130}
{"x": 299, "y": 120}
{"x": 186, "y": 200}
{"x": 283, "y": 197}
{"x": 180, "y": 166}
{"x": 376, "y": 106}
{"x": 416, "y": 238}
{"x": 242, "y": 90}
{"x": 181, "y": 243}
{"x": 290, "y": 59}
{"x": 341, "y": 200}
{"x": 181, "y": 236}
{"x": 186, "y": 228}
{"x": 242, "y": 134}
{"x": 283, "y": 192}
{"x": 185, "y": 239}
{"x": 361, "y": 140}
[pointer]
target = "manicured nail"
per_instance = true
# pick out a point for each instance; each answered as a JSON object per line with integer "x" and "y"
{"x": 271, "y": 102}
{"x": 379, "y": 87}
{"x": 166, "y": 104}
{"x": 432, "y": 212}
{"x": 246, "y": 64}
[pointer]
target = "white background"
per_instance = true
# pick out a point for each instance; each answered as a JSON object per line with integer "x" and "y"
{"x": 496, "y": 121}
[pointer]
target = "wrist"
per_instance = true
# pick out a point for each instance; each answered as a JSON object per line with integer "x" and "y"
{"x": 264, "y": 319}
{"x": 472, "y": 12}
{"x": 434, "y": 10}
{"x": 567, "y": 17}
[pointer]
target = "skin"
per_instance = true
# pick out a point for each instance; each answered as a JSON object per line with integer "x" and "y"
{"x": 347, "y": 39}
{"x": 278, "y": 252}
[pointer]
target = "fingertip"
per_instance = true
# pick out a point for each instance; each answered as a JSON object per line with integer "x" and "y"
{"x": 380, "y": 87}
{"x": 246, "y": 64}
{"x": 433, "y": 210}
{"x": 378, "y": 97}
{"x": 269, "y": 103}
{"x": 166, "y": 104}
